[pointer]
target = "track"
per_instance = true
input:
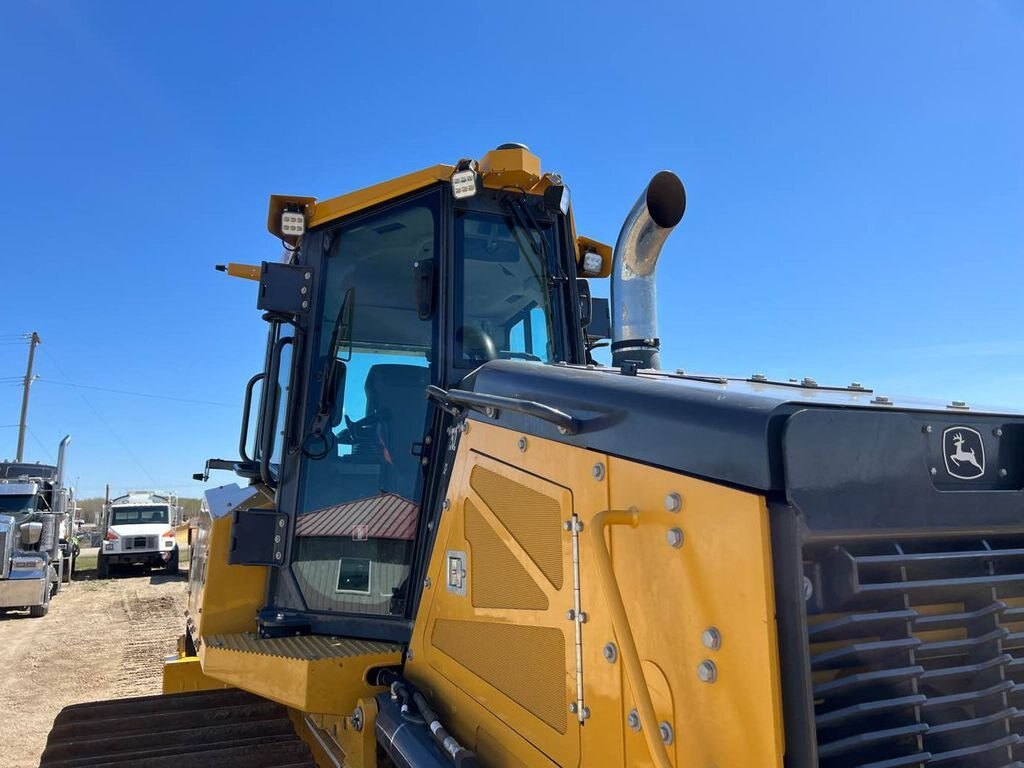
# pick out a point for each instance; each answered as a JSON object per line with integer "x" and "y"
{"x": 101, "y": 640}
{"x": 206, "y": 729}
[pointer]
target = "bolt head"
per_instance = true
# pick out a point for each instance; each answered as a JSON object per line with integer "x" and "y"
{"x": 882, "y": 400}
{"x": 567, "y": 525}
{"x": 759, "y": 377}
{"x": 570, "y": 614}
{"x": 807, "y": 588}
{"x": 573, "y": 707}
{"x": 633, "y": 720}
{"x": 597, "y": 471}
{"x": 933, "y": 471}
{"x": 426, "y": 583}
{"x": 522, "y": 443}
{"x": 707, "y": 672}
{"x": 1002, "y": 472}
{"x": 711, "y": 638}
{"x": 446, "y": 504}
{"x": 673, "y": 502}
{"x": 927, "y": 429}
{"x": 611, "y": 653}
{"x": 674, "y": 537}
{"x": 489, "y": 411}
{"x": 585, "y": 713}
{"x": 665, "y": 730}
{"x": 998, "y": 431}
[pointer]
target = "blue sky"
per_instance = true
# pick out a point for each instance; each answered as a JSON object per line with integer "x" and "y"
{"x": 855, "y": 175}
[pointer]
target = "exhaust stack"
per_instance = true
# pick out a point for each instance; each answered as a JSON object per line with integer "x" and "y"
{"x": 633, "y": 294}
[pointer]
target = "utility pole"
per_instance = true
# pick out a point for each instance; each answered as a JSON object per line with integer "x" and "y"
{"x": 22, "y": 425}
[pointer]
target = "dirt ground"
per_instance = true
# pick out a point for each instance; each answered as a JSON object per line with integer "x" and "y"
{"x": 100, "y": 640}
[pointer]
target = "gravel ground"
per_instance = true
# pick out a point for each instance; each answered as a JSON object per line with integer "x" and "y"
{"x": 100, "y": 640}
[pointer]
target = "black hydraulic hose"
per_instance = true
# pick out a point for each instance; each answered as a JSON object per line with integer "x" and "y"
{"x": 459, "y": 754}
{"x": 408, "y": 697}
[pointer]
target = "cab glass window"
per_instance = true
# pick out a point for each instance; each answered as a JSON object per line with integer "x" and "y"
{"x": 503, "y": 307}
{"x": 361, "y": 478}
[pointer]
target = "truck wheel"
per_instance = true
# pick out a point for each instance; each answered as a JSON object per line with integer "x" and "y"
{"x": 102, "y": 567}
{"x": 172, "y": 563}
{"x": 65, "y": 574}
{"x": 38, "y": 611}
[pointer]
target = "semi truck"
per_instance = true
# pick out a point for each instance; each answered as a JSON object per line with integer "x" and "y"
{"x": 37, "y": 544}
{"x": 460, "y": 540}
{"x": 139, "y": 530}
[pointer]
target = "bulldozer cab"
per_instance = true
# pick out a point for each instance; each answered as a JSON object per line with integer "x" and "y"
{"x": 417, "y": 292}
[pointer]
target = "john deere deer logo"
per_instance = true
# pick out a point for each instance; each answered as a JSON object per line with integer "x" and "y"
{"x": 964, "y": 452}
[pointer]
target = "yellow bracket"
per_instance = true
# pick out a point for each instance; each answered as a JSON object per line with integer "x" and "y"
{"x": 623, "y": 632}
{"x": 248, "y": 271}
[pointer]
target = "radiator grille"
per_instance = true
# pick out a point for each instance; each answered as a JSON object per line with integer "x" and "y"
{"x": 917, "y": 652}
{"x": 138, "y": 542}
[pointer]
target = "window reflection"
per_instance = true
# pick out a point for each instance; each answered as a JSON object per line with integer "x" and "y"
{"x": 359, "y": 498}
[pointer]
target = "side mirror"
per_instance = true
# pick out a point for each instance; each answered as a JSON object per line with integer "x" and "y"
{"x": 586, "y": 306}
{"x": 600, "y": 326}
{"x": 31, "y": 533}
{"x": 424, "y": 287}
{"x": 336, "y": 374}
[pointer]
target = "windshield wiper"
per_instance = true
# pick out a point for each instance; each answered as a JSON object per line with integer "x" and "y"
{"x": 525, "y": 218}
{"x": 321, "y": 426}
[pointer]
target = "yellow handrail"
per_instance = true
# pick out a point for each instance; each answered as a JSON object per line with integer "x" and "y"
{"x": 623, "y": 633}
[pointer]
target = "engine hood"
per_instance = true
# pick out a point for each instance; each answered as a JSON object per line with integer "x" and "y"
{"x": 727, "y": 429}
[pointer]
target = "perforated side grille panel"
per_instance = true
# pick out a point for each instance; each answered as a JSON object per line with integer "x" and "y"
{"x": 525, "y": 663}
{"x": 531, "y": 517}
{"x": 917, "y": 652}
{"x": 497, "y": 580}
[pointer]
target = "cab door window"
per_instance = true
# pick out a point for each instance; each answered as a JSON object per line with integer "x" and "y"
{"x": 361, "y": 477}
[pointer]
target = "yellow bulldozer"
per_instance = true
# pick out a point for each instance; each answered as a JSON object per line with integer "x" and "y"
{"x": 461, "y": 541}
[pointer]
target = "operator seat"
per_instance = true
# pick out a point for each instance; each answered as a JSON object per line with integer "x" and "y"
{"x": 396, "y": 395}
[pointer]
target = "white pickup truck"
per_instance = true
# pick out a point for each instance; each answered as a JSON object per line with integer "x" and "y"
{"x": 140, "y": 530}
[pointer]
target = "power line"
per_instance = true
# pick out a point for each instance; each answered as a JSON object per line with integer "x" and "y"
{"x": 41, "y": 445}
{"x": 102, "y": 421}
{"x": 138, "y": 394}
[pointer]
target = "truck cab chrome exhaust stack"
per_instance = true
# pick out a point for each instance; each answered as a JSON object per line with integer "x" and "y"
{"x": 633, "y": 290}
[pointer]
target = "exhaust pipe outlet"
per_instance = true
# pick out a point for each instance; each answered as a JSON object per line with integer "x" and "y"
{"x": 633, "y": 295}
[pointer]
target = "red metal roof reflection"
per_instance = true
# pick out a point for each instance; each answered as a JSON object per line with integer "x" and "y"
{"x": 387, "y": 516}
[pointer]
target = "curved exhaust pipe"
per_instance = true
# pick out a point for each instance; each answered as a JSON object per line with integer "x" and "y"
{"x": 633, "y": 296}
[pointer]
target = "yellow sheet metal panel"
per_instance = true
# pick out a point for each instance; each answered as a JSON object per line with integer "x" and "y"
{"x": 715, "y": 589}
{"x": 343, "y": 205}
{"x": 186, "y": 674}
{"x": 300, "y": 672}
{"x": 720, "y": 578}
{"x": 223, "y": 598}
{"x": 511, "y": 657}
